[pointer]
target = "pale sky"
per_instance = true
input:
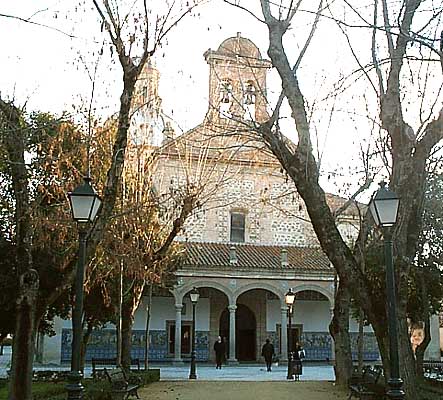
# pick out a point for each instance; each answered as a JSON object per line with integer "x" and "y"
{"x": 41, "y": 66}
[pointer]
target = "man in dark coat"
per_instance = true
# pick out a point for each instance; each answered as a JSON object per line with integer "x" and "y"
{"x": 220, "y": 351}
{"x": 267, "y": 352}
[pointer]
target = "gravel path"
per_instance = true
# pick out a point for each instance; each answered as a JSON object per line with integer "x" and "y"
{"x": 204, "y": 390}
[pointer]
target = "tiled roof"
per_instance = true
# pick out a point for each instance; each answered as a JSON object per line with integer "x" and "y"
{"x": 252, "y": 257}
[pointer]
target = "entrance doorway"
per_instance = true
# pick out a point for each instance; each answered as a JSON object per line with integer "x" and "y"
{"x": 245, "y": 332}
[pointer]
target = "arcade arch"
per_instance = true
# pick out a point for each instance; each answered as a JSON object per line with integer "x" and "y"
{"x": 246, "y": 313}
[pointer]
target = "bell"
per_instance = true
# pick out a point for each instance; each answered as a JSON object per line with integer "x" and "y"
{"x": 225, "y": 98}
{"x": 249, "y": 99}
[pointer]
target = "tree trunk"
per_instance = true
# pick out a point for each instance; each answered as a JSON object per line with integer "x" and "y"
{"x": 119, "y": 316}
{"x": 420, "y": 350}
{"x": 23, "y": 345}
{"x": 85, "y": 341}
{"x": 407, "y": 362}
{"x": 339, "y": 329}
{"x": 360, "y": 342}
{"x": 148, "y": 318}
{"x": 127, "y": 322}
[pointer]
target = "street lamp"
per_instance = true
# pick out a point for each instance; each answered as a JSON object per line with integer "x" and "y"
{"x": 85, "y": 204}
{"x": 289, "y": 300}
{"x": 194, "y": 295}
{"x": 384, "y": 209}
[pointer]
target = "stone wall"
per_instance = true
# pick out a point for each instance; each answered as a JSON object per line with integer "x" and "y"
{"x": 275, "y": 214}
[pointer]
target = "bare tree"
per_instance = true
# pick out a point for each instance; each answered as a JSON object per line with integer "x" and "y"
{"x": 404, "y": 151}
{"x": 126, "y": 44}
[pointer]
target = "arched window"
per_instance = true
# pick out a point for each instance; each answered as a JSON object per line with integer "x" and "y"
{"x": 225, "y": 97}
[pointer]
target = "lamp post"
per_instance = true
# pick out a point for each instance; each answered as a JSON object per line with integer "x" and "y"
{"x": 289, "y": 300}
{"x": 85, "y": 204}
{"x": 384, "y": 209}
{"x": 194, "y": 295}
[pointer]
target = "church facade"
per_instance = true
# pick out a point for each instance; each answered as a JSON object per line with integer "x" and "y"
{"x": 246, "y": 245}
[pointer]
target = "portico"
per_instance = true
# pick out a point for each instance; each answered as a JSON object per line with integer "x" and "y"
{"x": 245, "y": 306}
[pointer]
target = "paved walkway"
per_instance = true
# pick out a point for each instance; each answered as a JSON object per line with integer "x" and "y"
{"x": 207, "y": 372}
{"x": 245, "y": 373}
{"x": 222, "y": 390}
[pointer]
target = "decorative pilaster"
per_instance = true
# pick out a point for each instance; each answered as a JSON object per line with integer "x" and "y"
{"x": 284, "y": 335}
{"x": 178, "y": 334}
{"x": 232, "y": 356}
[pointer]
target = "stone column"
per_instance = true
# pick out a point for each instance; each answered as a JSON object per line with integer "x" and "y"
{"x": 331, "y": 313}
{"x": 178, "y": 335}
{"x": 284, "y": 335}
{"x": 232, "y": 356}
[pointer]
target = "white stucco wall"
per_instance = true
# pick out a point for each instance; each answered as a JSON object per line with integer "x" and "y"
{"x": 313, "y": 315}
{"x": 163, "y": 309}
{"x": 273, "y": 315}
{"x": 52, "y": 346}
{"x": 353, "y": 326}
{"x": 433, "y": 349}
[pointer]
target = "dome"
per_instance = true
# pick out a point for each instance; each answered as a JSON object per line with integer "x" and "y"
{"x": 239, "y": 46}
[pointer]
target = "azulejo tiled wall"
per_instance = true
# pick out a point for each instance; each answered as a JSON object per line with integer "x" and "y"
{"x": 370, "y": 346}
{"x": 317, "y": 345}
{"x": 103, "y": 344}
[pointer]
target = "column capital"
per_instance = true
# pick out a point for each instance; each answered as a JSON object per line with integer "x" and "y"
{"x": 178, "y": 307}
{"x": 232, "y": 307}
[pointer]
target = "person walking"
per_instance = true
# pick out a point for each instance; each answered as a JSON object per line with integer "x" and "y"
{"x": 220, "y": 350}
{"x": 267, "y": 352}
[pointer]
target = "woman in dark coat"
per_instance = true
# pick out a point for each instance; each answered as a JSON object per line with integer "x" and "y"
{"x": 220, "y": 351}
{"x": 298, "y": 354}
{"x": 267, "y": 352}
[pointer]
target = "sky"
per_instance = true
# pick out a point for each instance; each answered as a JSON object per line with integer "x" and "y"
{"x": 48, "y": 70}
{"x": 41, "y": 66}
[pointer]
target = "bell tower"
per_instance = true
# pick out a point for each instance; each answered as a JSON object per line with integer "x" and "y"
{"x": 147, "y": 121}
{"x": 237, "y": 81}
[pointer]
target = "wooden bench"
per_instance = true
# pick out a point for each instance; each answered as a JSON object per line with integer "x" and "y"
{"x": 368, "y": 386}
{"x": 99, "y": 364}
{"x": 122, "y": 386}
